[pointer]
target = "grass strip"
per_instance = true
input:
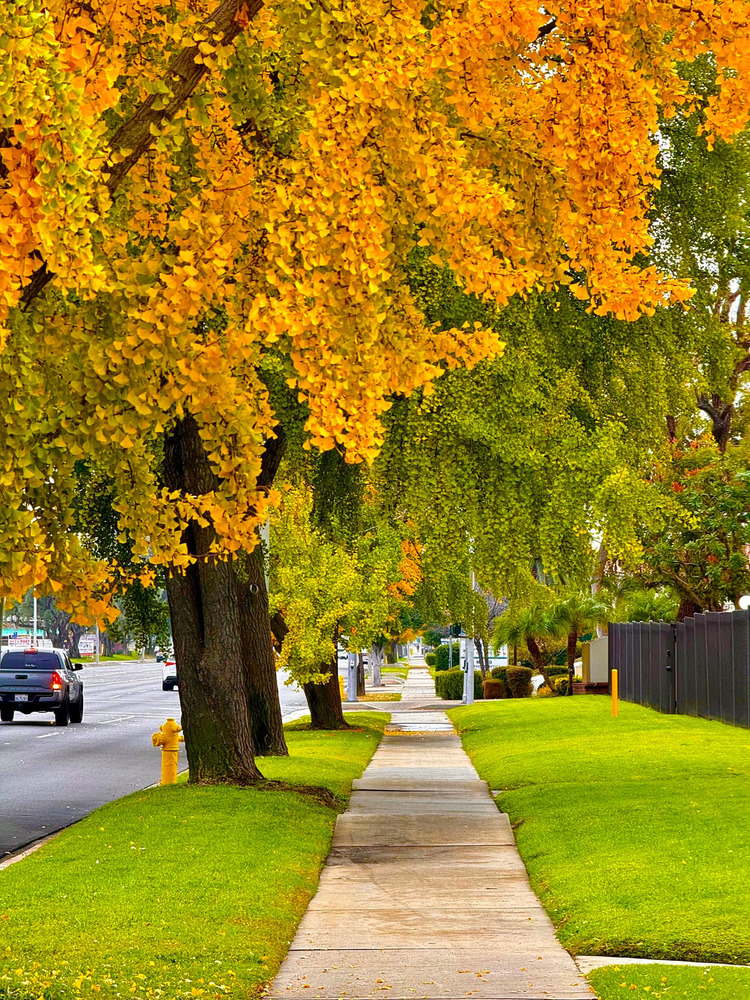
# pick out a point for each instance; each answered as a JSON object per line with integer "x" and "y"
{"x": 633, "y": 830}
{"x": 186, "y": 891}
{"x": 671, "y": 982}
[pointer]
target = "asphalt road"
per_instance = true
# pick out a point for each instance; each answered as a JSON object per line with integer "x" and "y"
{"x": 50, "y": 777}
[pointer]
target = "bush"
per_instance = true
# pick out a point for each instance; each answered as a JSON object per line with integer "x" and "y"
{"x": 449, "y": 684}
{"x": 500, "y": 674}
{"x": 430, "y": 659}
{"x": 441, "y": 656}
{"x": 555, "y": 670}
{"x": 561, "y": 683}
{"x": 519, "y": 682}
{"x": 493, "y": 689}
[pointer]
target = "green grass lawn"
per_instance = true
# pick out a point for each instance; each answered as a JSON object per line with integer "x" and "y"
{"x": 400, "y": 670}
{"x": 670, "y": 982}
{"x": 634, "y": 830}
{"x": 186, "y": 891}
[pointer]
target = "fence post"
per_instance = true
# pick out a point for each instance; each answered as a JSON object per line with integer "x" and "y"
{"x": 614, "y": 693}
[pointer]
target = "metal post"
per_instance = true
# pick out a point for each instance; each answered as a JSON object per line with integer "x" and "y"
{"x": 450, "y": 647}
{"x": 470, "y": 671}
{"x": 33, "y": 641}
{"x": 351, "y": 680}
{"x": 615, "y": 693}
{"x": 97, "y": 642}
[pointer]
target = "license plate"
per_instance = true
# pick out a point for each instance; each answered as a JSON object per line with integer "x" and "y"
{"x": 22, "y": 697}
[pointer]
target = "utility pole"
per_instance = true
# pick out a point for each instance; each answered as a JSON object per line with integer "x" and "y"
{"x": 97, "y": 642}
{"x": 33, "y": 641}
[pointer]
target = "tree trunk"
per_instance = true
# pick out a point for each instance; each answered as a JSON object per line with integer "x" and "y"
{"x": 324, "y": 702}
{"x": 720, "y": 413}
{"x": 208, "y": 634}
{"x": 537, "y": 658}
{"x": 260, "y": 663}
{"x": 687, "y": 608}
{"x": 572, "y": 643}
{"x": 481, "y": 649}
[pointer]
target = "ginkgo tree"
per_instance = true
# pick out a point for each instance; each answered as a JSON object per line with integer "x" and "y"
{"x": 324, "y": 592}
{"x": 187, "y": 188}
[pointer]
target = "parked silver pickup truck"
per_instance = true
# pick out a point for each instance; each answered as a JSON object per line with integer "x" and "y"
{"x": 40, "y": 680}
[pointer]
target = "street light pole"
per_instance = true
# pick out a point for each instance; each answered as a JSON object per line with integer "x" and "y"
{"x": 33, "y": 642}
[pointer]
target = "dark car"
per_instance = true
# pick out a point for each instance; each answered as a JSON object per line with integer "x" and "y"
{"x": 169, "y": 674}
{"x": 40, "y": 680}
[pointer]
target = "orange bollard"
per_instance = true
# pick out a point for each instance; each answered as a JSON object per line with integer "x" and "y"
{"x": 615, "y": 693}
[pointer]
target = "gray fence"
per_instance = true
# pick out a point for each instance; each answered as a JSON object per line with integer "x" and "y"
{"x": 700, "y": 666}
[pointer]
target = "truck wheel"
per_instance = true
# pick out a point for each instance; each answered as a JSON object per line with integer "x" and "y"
{"x": 6, "y": 714}
{"x": 76, "y": 710}
{"x": 62, "y": 714}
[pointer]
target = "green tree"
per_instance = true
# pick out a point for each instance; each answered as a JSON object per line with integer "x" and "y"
{"x": 576, "y": 614}
{"x": 531, "y": 625}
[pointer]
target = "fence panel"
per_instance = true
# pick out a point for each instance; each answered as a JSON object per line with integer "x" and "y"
{"x": 700, "y": 666}
{"x": 687, "y": 679}
{"x": 741, "y": 667}
{"x": 701, "y": 671}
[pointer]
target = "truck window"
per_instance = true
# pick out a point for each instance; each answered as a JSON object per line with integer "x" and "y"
{"x": 20, "y": 660}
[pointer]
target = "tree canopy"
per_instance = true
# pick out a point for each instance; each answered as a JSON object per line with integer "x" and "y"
{"x": 186, "y": 190}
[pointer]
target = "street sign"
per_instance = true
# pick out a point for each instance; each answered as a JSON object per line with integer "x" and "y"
{"x": 87, "y": 645}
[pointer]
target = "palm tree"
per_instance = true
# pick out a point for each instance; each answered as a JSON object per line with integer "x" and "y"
{"x": 574, "y": 616}
{"x": 531, "y": 625}
{"x": 647, "y": 606}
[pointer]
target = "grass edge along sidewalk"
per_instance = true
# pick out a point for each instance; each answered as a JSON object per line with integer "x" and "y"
{"x": 633, "y": 830}
{"x": 670, "y": 982}
{"x": 186, "y": 891}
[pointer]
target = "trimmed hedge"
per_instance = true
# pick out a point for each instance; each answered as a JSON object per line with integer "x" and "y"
{"x": 519, "y": 681}
{"x": 500, "y": 674}
{"x": 554, "y": 670}
{"x": 449, "y": 684}
{"x": 492, "y": 688}
{"x": 430, "y": 659}
{"x": 442, "y": 653}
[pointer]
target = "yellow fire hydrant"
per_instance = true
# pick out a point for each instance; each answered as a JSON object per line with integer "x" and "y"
{"x": 169, "y": 739}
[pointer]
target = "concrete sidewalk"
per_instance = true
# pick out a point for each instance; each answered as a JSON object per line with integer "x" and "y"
{"x": 424, "y": 894}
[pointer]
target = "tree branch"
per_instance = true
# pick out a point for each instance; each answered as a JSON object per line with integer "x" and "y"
{"x": 183, "y": 75}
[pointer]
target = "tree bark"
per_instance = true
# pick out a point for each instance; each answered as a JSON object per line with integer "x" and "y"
{"x": 572, "y": 643}
{"x": 720, "y": 413}
{"x": 208, "y": 635}
{"x": 260, "y": 663}
{"x": 687, "y": 608}
{"x": 481, "y": 649}
{"x": 324, "y": 701}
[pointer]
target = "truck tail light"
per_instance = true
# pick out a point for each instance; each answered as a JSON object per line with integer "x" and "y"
{"x": 56, "y": 682}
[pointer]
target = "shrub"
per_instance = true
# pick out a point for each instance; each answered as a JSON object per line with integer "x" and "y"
{"x": 519, "y": 681}
{"x": 449, "y": 684}
{"x": 430, "y": 659}
{"x": 493, "y": 688}
{"x": 561, "y": 683}
{"x": 555, "y": 670}
{"x": 500, "y": 674}
{"x": 544, "y": 692}
{"x": 442, "y": 654}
